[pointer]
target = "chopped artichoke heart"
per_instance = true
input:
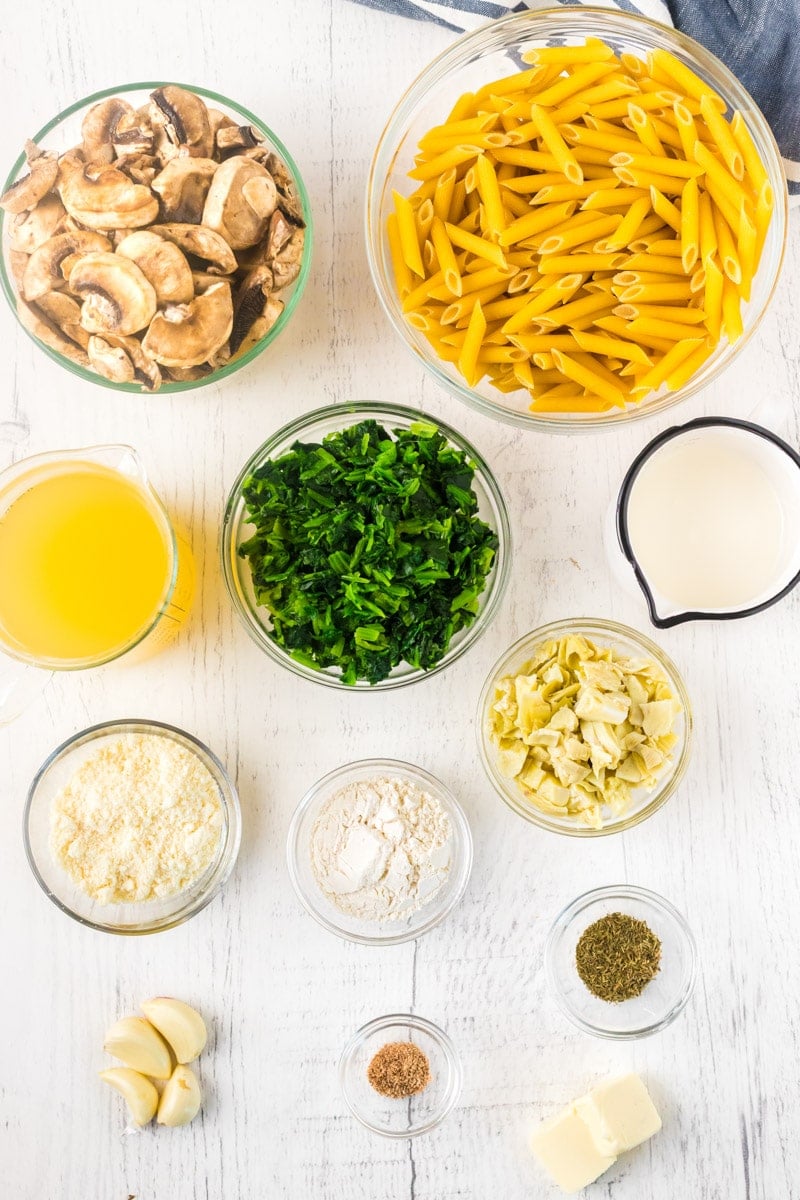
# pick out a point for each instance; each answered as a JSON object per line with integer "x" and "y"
{"x": 582, "y": 730}
{"x": 593, "y": 705}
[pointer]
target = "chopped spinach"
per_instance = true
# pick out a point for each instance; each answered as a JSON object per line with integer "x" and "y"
{"x": 368, "y": 550}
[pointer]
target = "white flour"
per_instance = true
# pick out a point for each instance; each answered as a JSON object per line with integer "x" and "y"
{"x": 381, "y": 849}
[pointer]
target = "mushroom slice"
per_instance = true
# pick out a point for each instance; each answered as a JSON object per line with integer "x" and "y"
{"x": 141, "y": 168}
{"x": 261, "y": 326}
{"x": 184, "y": 117}
{"x": 48, "y": 334}
{"x": 162, "y": 263}
{"x": 279, "y": 233}
{"x": 253, "y": 292}
{"x": 105, "y": 198}
{"x": 202, "y": 242}
{"x": 17, "y": 262}
{"x": 133, "y": 135}
{"x": 43, "y": 271}
{"x": 183, "y": 186}
{"x": 145, "y": 369}
{"x": 99, "y": 128}
{"x": 31, "y": 188}
{"x": 110, "y": 361}
{"x": 219, "y": 120}
{"x": 286, "y": 264}
{"x": 64, "y": 312}
{"x": 232, "y": 138}
{"x": 118, "y": 297}
{"x": 186, "y": 335}
{"x": 187, "y": 374}
{"x": 240, "y": 201}
{"x": 29, "y": 230}
{"x": 287, "y": 196}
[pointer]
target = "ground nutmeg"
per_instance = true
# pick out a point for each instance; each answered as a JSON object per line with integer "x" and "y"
{"x": 398, "y": 1070}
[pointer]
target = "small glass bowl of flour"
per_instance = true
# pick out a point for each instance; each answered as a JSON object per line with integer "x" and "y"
{"x": 379, "y": 851}
{"x": 132, "y": 826}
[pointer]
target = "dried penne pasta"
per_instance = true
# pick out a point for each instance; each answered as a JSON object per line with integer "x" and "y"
{"x": 585, "y": 230}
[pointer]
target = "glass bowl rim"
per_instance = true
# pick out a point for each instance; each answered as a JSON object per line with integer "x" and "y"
{"x": 437, "y": 1035}
{"x": 497, "y": 581}
{"x": 452, "y": 56}
{"x": 621, "y": 891}
{"x": 298, "y": 285}
{"x": 462, "y": 872}
{"x": 229, "y": 796}
{"x": 614, "y": 629}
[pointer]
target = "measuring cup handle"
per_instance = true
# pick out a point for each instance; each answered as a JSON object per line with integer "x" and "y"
{"x": 20, "y": 685}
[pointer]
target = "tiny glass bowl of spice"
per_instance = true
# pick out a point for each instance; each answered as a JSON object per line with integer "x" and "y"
{"x": 379, "y": 851}
{"x": 401, "y": 1075}
{"x": 132, "y": 826}
{"x": 621, "y": 962}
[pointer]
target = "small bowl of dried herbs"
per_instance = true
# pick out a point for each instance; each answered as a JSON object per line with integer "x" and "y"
{"x": 401, "y": 1075}
{"x": 621, "y": 962}
{"x": 365, "y": 546}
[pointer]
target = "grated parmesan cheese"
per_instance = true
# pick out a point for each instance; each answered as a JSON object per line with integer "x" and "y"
{"x": 139, "y": 820}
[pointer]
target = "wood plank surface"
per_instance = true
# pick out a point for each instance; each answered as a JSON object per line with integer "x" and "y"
{"x": 282, "y": 995}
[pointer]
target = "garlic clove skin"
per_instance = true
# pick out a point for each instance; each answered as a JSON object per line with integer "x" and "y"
{"x": 138, "y": 1092}
{"x": 182, "y": 1026}
{"x": 138, "y": 1045}
{"x": 180, "y": 1100}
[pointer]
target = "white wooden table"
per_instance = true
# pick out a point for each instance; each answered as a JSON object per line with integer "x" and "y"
{"x": 283, "y": 995}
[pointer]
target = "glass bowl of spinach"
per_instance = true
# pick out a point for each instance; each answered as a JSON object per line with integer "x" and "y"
{"x": 365, "y": 546}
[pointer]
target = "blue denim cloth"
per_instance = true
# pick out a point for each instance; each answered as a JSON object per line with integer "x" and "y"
{"x": 759, "y": 40}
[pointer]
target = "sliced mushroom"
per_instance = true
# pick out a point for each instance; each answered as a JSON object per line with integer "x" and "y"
{"x": 162, "y": 263}
{"x": 105, "y": 198}
{"x": 185, "y": 335}
{"x": 64, "y": 312}
{"x": 35, "y": 323}
{"x": 145, "y": 370}
{"x": 31, "y": 188}
{"x": 253, "y": 292}
{"x": 232, "y": 138}
{"x": 203, "y": 280}
{"x": 187, "y": 374}
{"x": 99, "y": 127}
{"x": 29, "y": 230}
{"x": 43, "y": 271}
{"x": 134, "y": 134}
{"x": 219, "y": 120}
{"x": 184, "y": 117}
{"x": 286, "y": 265}
{"x": 240, "y": 201}
{"x": 279, "y": 233}
{"x": 183, "y": 186}
{"x": 203, "y": 243}
{"x": 261, "y": 326}
{"x": 110, "y": 361}
{"x": 17, "y": 261}
{"x": 287, "y": 196}
{"x": 117, "y": 297}
{"x": 141, "y": 168}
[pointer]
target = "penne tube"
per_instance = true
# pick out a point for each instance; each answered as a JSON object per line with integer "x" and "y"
{"x": 446, "y": 257}
{"x": 588, "y": 378}
{"x": 536, "y": 222}
{"x": 657, "y": 164}
{"x": 621, "y": 329}
{"x": 443, "y": 194}
{"x": 630, "y": 223}
{"x": 475, "y": 245}
{"x": 551, "y": 296}
{"x": 721, "y": 132}
{"x": 570, "y": 56}
{"x": 672, "y": 330}
{"x": 728, "y": 254}
{"x": 489, "y": 191}
{"x": 557, "y": 92}
{"x": 556, "y": 145}
{"x": 407, "y": 233}
{"x": 712, "y": 301}
{"x": 658, "y": 293}
{"x": 598, "y": 343}
{"x": 656, "y": 312}
{"x": 690, "y": 225}
{"x": 718, "y": 175}
{"x": 562, "y": 264}
{"x": 665, "y": 209}
{"x": 636, "y": 177}
{"x": 664, "y": 65}
{"x": 468, "y": 358}
{"x": 684, "y": 372}
{"x": 614, "y": 198}
{"x": 454, "y": 157}
{"x": 687, "y": 130}
{"x": 747, "y": 246}
{"x": 557, "y": 242}
{"x": 673, "y": 358}
{"x": 732, "y": 325}
{"x": 402, "y": 271}
{"x": 754, "y": 168}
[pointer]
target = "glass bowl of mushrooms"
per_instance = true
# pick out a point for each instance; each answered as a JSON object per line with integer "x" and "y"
{"x": 155, "y": 236}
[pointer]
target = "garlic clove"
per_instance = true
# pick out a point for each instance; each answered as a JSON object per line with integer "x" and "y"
{"x": 137, "y": 1044}
{"x": 180, "y": 1100}
{"x": 138, "y": 1093}
{"x": 179, "y": 1024}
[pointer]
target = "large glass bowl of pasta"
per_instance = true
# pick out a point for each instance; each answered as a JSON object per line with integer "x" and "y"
{"x": 575, "y": 217}
{"x": 584, "y": 727}
{"x": 366, "y": 546}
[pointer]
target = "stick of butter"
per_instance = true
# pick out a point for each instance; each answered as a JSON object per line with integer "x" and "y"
{"x": 583, "y": 1140}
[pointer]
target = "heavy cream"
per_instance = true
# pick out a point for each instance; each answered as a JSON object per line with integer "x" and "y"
{"x": 713, "y": 518}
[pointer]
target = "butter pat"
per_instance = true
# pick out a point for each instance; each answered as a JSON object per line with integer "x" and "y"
{"x": 565, "y": 1147}
{"x": 619, "y": 1114}
{"x": 584, "y": 1140}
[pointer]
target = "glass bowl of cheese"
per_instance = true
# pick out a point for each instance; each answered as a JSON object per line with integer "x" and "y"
{"x": 584, "y": 727}
{"x": 132, "y": 826}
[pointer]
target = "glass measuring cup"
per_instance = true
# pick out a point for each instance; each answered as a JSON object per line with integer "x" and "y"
{"x": 91, "y": 568}
{"x": 754, "y": 454}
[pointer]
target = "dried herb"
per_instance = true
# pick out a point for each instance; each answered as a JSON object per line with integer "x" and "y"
{"x": 617, "y": 957}
{"x": 399, "y": 1070}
